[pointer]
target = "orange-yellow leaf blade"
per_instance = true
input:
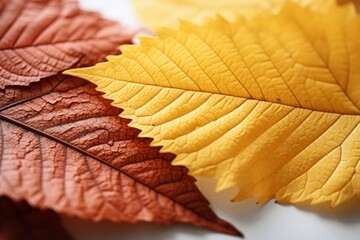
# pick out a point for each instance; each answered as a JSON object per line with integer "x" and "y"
{"x": 271, "y": 105}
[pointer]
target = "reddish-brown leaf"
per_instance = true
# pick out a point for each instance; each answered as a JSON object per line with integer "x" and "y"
{"x": 19, "y": 221}
{"x": 40, "y": 38}
{"x": 64, "y": 147}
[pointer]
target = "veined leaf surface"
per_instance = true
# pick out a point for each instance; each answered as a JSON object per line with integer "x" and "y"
{"x": 62, "y": 146}
{"x": 40, "y": 38}
{"x": 271, "y": 105}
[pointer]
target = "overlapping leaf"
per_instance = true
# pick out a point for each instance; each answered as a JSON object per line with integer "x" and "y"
{"x": 62, "y": 146}
{"x": 271, "y": 105}
{"x": 42, "y": 38}
{"x": 18, "y": 220}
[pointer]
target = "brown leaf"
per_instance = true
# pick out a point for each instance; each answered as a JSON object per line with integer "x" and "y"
{"x": 64, "y": 147}
{"x": 40, "y": 38}
{"x": 18, "y": 221}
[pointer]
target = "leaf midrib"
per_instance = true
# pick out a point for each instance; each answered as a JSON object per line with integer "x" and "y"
{"x": 67, "y": 144}
{"x": 199, "y": 91}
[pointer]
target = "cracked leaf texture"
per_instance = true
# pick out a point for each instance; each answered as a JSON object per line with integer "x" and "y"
{"x": 62, "y": 146}
{"x": 269, "y": 105}
{"x": 40, "y": 38}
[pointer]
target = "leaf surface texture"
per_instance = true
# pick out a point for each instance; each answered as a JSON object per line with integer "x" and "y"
{"x": 42, "y": 38}
{"x": 63, "y": 147}
{"x": 270, "y": 105}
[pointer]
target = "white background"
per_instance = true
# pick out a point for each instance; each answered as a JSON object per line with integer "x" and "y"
{"x": 269, "y": 221}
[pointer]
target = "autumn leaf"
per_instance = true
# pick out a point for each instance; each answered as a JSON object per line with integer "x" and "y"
{"x": 65, "y": 148}
{"x": 62, "y": 146}
{"x": 41, "y": 38}
{"x": 269, "y": 105}
{"x": 18, "y": 220}
{"x": 168, "y": 12}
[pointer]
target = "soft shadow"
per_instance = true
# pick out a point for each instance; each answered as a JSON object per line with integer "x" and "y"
{"x": 105, "y": 230}
{"x": 346, "y": 213}
{"x": 221, "y": 202}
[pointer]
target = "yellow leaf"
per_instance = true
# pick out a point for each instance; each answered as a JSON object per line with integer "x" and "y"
{"x": 270, "y": 105}
{"x": 155, "y": 13}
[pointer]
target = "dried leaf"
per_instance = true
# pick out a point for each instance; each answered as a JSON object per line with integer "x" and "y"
{"x": 270, "y": 105}
{"x": 64, "y": 147}
{"x": 41, "y": 38}
{"x": 18, "y": 220}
